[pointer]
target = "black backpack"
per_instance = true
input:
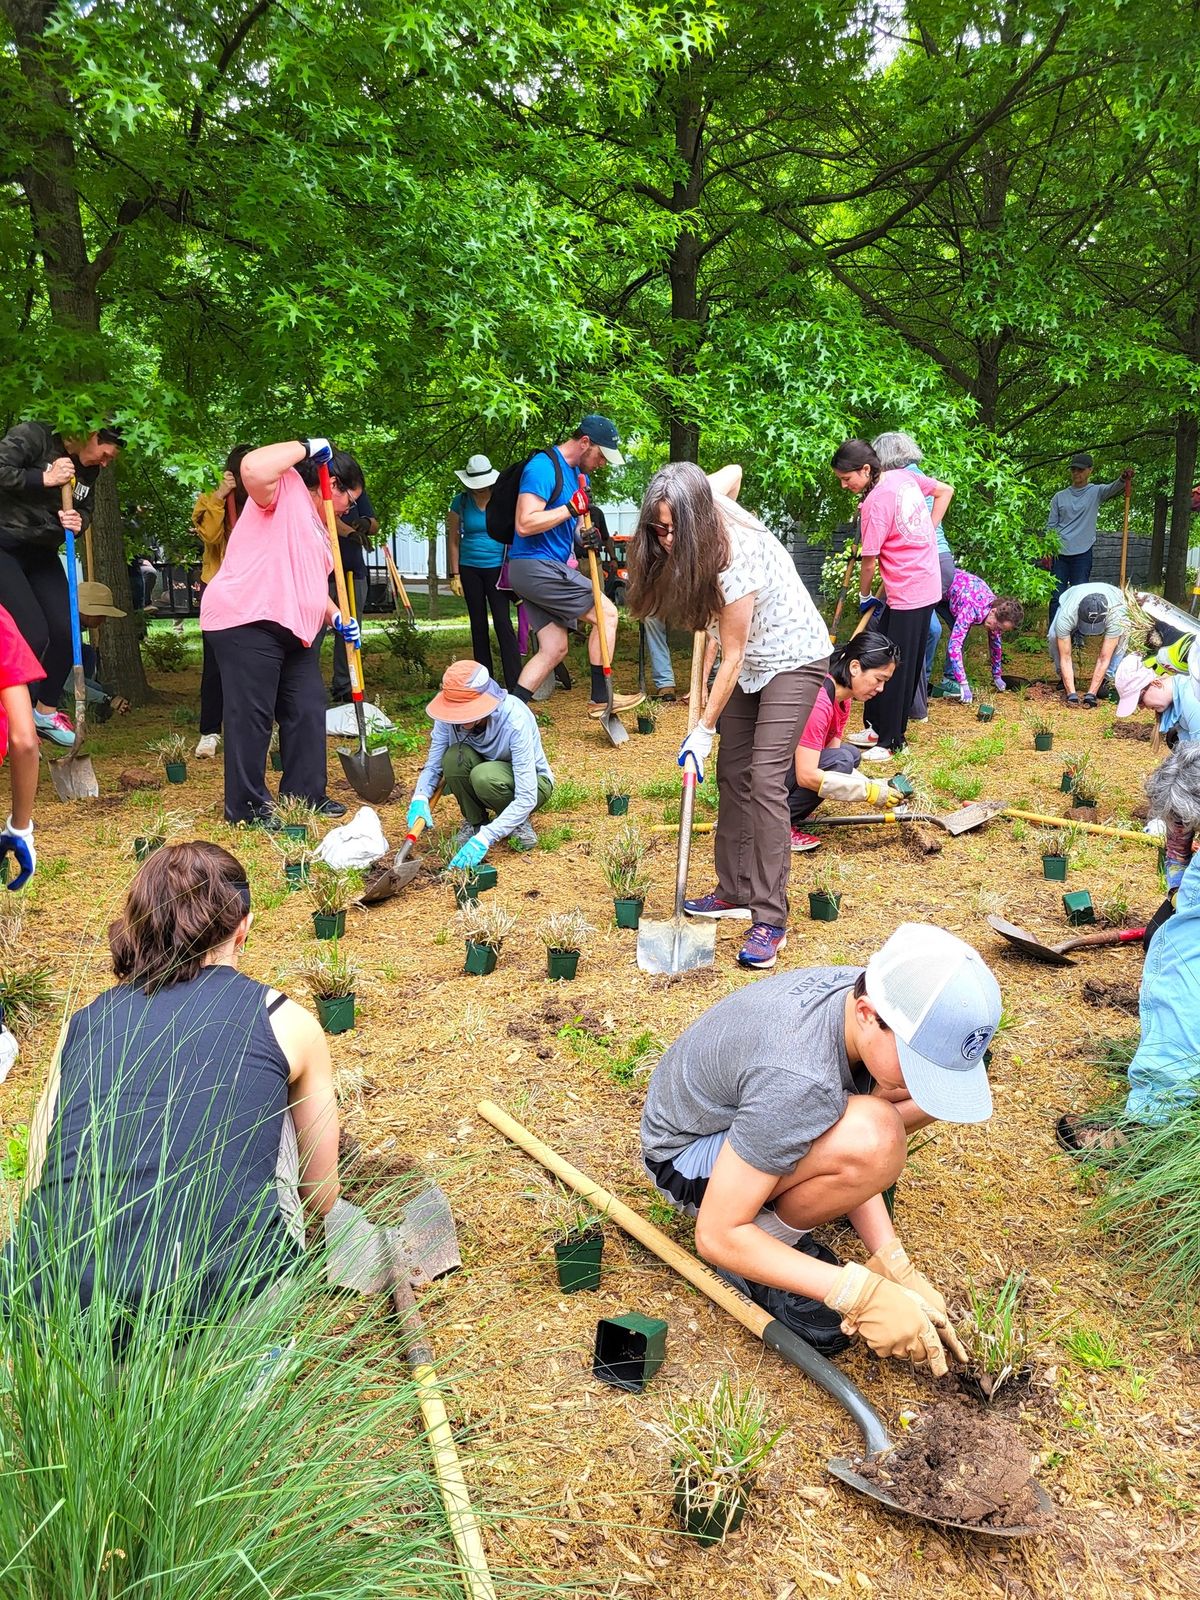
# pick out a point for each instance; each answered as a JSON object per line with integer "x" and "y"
{"x": 502, "y": 506}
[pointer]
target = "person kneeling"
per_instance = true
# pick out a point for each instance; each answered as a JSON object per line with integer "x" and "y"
{"x": 486, "y": 748}
{"x": 789, "y": 1103}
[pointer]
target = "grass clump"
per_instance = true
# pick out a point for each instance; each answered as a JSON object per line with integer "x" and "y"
{"x": 567, "y": 795}
{"x": 716, "y": 1445}
{"x": 623, "y": 1063}
{"x": 555, "y": 838}
{"x": 170, "y": 749}
{"x": 565, "y": 930}
{"x": 622, "y": 860}
{"x": 1093, "y": 1350}
{"x": 997, "y": 1334}
{"x": 960, "y": 784}
{"x": 331, "y": 889}
{"x": 27, "y": 991}
{"x": 486, "y": 922}
{"x": 329, "y": 974}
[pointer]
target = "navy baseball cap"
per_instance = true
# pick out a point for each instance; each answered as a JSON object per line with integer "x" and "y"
{"x": 603, "y": 434}
{"x": 1093, "y": 613}
{"x": 1080, "y": 460}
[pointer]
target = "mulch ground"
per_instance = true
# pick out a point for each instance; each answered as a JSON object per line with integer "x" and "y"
{"x": 572, "y": 1484}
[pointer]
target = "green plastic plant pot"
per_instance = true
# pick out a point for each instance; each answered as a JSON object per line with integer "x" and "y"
{"x": 1055, "y": 868}
{"x": 901, "y": 785}
{"x": 1083, "y": 798}
{"x": 1067, "y": 783}
{"x": 1079, "y": 908}
{"x": 985, "y": 713}
{"x": 296, "y": 874}
{"x": 329, "y": 924}
{"x": 577, "y": 1261}
{"x": 645, "y": 724}
{"x": 276, "y": 761}
{"x": 336, "y": 1015}
{"x": 562, "y": 963}
{"x": 824, "y": 907}
{"x": 466, "y": 891}
{"x": 629, "y": 1350}
{"x": 628, "y": 912}
{"x": 294, "y": 830}
{"x": 481, "y": 959}
{"x": 144, "y": 847}
{"x": 176, "y": 771}
{"x": 486, "y": 878}
{"x": 710, "y": 1522}
{"x": 1043, "y": 741}
{"x": 4, "y": 868}
{"x": 618, "y": 805}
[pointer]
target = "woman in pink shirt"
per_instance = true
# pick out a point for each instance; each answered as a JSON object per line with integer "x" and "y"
{"x": 897, "y": 535}
{"x": 263, "y": 617}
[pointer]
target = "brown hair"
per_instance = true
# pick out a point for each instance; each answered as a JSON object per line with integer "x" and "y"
{"x": 183, "y": 902}
{"x": 1009, "y": 610}
{"x": 854, "y": 453}
{"x": 679, "y": 585}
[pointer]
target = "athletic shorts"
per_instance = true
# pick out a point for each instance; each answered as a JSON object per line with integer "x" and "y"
{"x": 683, "y": 1179}
{"x": 551, "y": 591}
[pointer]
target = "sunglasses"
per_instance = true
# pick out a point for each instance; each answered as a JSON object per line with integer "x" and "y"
{"x": 661, "y": 529}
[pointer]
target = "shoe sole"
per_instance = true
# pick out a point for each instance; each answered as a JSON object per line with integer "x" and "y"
{"x": 799, "y": 849}
{"x": 736, "y": 913}
{"x": 762, "y": 966}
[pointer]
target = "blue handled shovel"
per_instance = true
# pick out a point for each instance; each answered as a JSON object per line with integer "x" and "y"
{"x": 73, "y": 776}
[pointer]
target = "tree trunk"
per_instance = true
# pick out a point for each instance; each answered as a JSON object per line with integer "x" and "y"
{"x": 1187, "y": 428}
{"x": 1158, "y": 540}
{"x": 120, "y": 641}
{"x": 432, "y": 577}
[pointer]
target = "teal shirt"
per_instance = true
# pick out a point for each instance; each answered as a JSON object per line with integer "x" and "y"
{"x": 476, "y": 547}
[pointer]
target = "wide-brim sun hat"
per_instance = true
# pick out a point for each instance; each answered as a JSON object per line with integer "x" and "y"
{"x": 479, "y": 473}
{"x": 464, "y": 695}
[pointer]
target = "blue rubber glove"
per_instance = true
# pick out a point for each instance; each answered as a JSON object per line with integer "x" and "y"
{"x": 418, "y": 811}
{"x": 470, "y": 855}
{"x": 319, "y": 450}
{"x": 869, "y": 602}
{"x": 348, "y": 629}
{"x": 696, "y": 748}
{"x": 18, "y": 843}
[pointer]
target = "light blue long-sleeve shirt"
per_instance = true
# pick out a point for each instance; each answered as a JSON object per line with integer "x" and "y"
{"x": 1165, "y": 1072}
{"x": 1073, "y": 514}
{"x": 510, "y": 734}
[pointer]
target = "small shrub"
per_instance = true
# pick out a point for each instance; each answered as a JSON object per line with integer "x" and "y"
{"x": 165, "y": 650}
{"x": 486, "y": 922}
{"x": 997, "y": 1334}
{"x": 405, "y": 644}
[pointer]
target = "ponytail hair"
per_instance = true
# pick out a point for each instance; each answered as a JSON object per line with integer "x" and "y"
{"x": 869, "y": 649}
{"x": 852, "y": 454}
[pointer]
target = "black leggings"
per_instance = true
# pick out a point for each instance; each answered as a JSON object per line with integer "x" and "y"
{"x": 480, "y": 592}
{"x": 889, "y": 711}
{"x": 33, "y": 587}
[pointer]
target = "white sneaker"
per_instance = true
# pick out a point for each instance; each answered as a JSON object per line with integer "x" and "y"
{"x": 207, "y": 745}
{"x": 864, "y": 740}
{"x": 878, "y": 753}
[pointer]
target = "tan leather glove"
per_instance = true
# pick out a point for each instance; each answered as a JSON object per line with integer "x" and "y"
{"x": 456, "y": 585}
{"x": 881, "y": 795}
{"x": 891, "y": 1261}
{"x": 894, "y": 1321}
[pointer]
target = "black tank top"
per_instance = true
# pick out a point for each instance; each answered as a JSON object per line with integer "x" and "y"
{"x": 160, "y": 1165}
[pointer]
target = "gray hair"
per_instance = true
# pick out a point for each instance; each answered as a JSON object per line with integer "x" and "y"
{"x": 1173, "y": 788}
{"x": 896, "y": 450}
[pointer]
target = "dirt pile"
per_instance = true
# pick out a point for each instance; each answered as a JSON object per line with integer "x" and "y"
{"x": 959, "y": 1466}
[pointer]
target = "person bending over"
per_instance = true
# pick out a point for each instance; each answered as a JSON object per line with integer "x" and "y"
{"x": 788, "y": 1104}
{"x": 970, "y": 604}
{"x": 1088, "y": 609}
{"x": 1171, "y": 695}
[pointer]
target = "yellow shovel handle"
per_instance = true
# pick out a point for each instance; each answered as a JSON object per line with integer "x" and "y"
{"x": 1087, "y": 827}
{"x": 455, "y": 1497}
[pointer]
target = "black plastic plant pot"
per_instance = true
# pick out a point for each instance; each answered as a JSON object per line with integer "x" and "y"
{"x": 629, "y": 1350}
{"x": 1055, "y": 868}
{"x": 276, "y": 761}
{"x": 296, "y": 874}
{"x": 645, "y": 724}
{"x": 1067, "y": 783}
{"x": 710, "y": 1521}
{"x": 1079, "y": 908}
{"x": 176, "y": 771}
{"x": 628, "y": 912}
{"x": 329, "y": 924}
{"x": 294, "y": 830}
{"x": 985, "y": 713}
{"x": 486, "y": 878}
{"x": 618, "y": 805}
{"x": 1043, "y": 741}
{"x": 144, "y": 847}
{"x": 336, "y": 1013}
{"x": 481, "y": 959}
{"x": 562, "y": 963}
{"x": 824, "y": 907}
{"x": 577, "y": 1261}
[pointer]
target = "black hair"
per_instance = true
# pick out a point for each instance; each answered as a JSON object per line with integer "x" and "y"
{"x": 854, "y": 453}
{"x": 111, "y": 436}
{"x": 869, "y": 649}
{"x": 343, "y": 467}
{"x": 860, "y": 993}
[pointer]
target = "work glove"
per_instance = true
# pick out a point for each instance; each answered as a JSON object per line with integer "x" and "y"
{"x": 318, "y": 450}
{"x": 881, "y": 795}
{"x": 870, "y": 603}
{"x": 891, "y": 1261}
{"x": 578, "y": 503}
{"x": 589, "y": 539}
{"x": 1174, "y": 872}
{"x": 347, "y": 629}
{"x": 999, "y": 683}
{"x": 418, "y": 811}
{"x": 1127, "y": 475}
{"x": 18, "y": 842}
{"x": 456, "y": 585}
{"x": 850, "y": 788}
{"x": 469, "y": 855}
{"x": 965, "y": 694}
{"x": 698, "y": 746}
{"x": 893, "y": 1320}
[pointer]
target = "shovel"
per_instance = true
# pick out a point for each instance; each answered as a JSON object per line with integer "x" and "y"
{"x": 400, "y": 591}
{"x": 681, "y": 945}
{"x": 609, "y": 721}
{"x": 1055, "y": 955}
{"x": 369, "y": 773}
{"x": 422, "y": 1248}
{"x": 773, "y": 1334}
{"x": 73, "y": 776}
{"x": 390, "y": 880}
{"x": 954, "y": 822}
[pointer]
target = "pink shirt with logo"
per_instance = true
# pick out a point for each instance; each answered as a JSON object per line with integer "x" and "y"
{"x": 276, "y": 567}
{"x": 897, "y": 527}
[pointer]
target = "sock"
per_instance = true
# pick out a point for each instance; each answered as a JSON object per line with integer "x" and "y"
{"x": 777, "y": 1228}
{"x": 599, "y": 692}
{"x": 522, "y": 693}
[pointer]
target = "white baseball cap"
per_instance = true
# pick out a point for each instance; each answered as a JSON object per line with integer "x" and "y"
{"x": 941, "y": 1001}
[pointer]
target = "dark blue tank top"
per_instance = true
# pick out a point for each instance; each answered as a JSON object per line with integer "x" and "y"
{"x": 161, "y": 1161}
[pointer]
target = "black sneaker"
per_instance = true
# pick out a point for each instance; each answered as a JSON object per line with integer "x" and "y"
{"x": 329, "y": 808}
{"x": 815, "y": 1323}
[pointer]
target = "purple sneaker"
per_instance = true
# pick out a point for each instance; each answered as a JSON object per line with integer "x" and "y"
{"x": 763, "y": 944}
{"x": 711, "y": 905}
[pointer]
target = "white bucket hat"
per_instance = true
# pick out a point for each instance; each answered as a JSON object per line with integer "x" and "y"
{"x": 478, "y": 474}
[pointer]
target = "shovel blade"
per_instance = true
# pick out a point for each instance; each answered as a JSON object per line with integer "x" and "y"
{"x": 614, "y": 727}
{"x": 388, "y": 882}
{"x": 74, "y": 778}
{"x": 424, "y": 1245}
{"x": 969, "y": 817}
{"x": 676, "y": 946}
{"x": 368, "y": 773}
{"x": 1028, "y": 945}
{"x": 845, "y": 1473}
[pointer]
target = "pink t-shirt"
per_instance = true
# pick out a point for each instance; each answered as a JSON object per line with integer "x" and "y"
{"x": 827, "y": 720}
{"x": 897, "y": 527}
{"x": 276, "y": 567}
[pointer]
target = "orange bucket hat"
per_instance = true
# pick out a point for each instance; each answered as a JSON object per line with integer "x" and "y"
{"x": 463, "y": 697}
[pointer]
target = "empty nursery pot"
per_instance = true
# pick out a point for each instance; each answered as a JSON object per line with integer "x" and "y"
{"x": 901, "y": 785}
{"x": 577, "y": 1261}
{"x": 176, "y": 771}
{"x": 1055, "y": 868}
{"x": 329, "y": 924}
{"x": 985, "y": 713}
{"x": 628, "y": 912}
{"x": 709, "y": 1521}
{"x": 629, "y": 1350}
{"x": 481, "y": 959}
{"x": 618, "y": 805}
{"x": 561, "y": 963}
{"x": 467, "y": 890}
{"x": 336, "y": 1013}
{"x": 486, "y": 878}
{"x": 824, "y": 907}
{"x": 1043, "y": 741}
{"x": 143, "y": 847}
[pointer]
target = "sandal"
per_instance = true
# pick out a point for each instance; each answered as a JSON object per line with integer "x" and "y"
{"x": 1072, "y": 699}
{"x": 1089, "y": 700}
{"x": 1089, "y": 1137}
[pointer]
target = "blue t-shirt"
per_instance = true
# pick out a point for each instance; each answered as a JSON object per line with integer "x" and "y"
{"x": 476, "y": 547}
{"x": 538, "y": 478}
{"x": 1182, "y": 716}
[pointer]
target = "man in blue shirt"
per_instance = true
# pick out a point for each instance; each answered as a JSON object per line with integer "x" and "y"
{"x": 1073, "y": 518}
{"x": 558, "y": 597}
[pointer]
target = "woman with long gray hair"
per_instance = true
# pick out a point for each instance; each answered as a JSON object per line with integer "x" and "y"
{"x": 699, "y": 561}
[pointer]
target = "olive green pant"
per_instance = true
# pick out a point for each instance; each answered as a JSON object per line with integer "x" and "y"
{"x": 483, "y": 788}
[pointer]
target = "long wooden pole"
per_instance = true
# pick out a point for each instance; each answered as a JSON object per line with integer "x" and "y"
{"x": 1125, "y": 530}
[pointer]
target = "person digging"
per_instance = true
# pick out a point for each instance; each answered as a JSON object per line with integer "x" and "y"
{"x": 485, "y": 747}
{"x": 788, "y": 1104}
{"x": 1088, "y": 608}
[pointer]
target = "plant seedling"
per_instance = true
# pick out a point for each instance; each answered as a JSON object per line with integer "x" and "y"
{"x": 169, "y": 750}
{"x": 1093, "y": 1350}
{"x": 332, "y": 888}
{"x": 565, "y": 930}
{"x": 716, "y": 1445}
{"x": 15, "y": 1158}
{"x": 622, "y": 861}
{"x": 329, "y": 974}
{"x": 486, "y": 922}
{"x": 998, "y": 1335}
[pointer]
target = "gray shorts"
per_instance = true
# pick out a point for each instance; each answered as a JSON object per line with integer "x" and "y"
{"x": 551, "y": 590}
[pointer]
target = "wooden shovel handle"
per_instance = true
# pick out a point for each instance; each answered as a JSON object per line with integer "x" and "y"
{"x": 1091, "y": 941}
{"x": 598, "y": 604}
{"x": 398, "y": 583}
{"x": 353, "y": 662}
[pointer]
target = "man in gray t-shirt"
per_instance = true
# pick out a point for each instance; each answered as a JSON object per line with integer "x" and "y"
{"x": 1073, "y": 517}
{"x": 1089, "y": 609}
{"x": 789, "y": 1104}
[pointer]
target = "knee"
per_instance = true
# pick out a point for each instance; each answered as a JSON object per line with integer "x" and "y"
{"x": 609, "y": 612}
{"x": 875, "y": 1142}
{"x": 552, "y": 645}
{"x": 456, "y": 762}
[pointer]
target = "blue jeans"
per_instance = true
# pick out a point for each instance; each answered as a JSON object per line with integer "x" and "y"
{"x": 658, "y": 649}
{"x": 1068, "y": 571}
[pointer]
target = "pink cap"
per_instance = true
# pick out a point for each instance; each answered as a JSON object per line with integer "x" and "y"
{"x": 1131, "y": 678}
